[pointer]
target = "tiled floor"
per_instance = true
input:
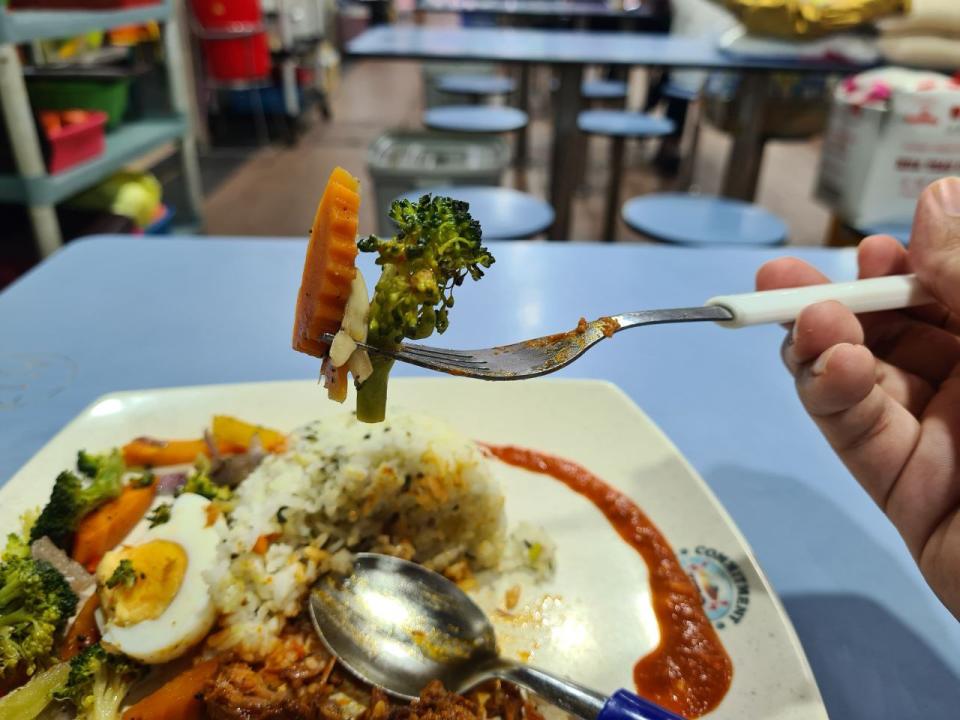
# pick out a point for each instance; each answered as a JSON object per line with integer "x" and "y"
{"x": 276, "y": 192}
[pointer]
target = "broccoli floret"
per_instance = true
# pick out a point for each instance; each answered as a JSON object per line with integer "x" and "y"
{"x": 59, "y": 518}
{"x": 35, "y": 603}
{"x": 200, "y": 482}
{"x": 124, "y": 574}
{"x": 98, "y": 683}
{"x": 160, "y": 515}
{"x": 436, "y": 247}
{"x": 74, "y": 496}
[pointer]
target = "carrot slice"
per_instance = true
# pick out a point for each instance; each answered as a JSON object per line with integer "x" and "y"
{"x": 179, "y": 699}
{"x": 84, "y": 631}
{"x": 104, "y": 528}
{"x": 231, "y": 431}
{"x": 330, "y": 265}
{"x": 149, "y": 452}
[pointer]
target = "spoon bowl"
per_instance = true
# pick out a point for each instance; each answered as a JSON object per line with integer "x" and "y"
{"x": 400, "y": 626}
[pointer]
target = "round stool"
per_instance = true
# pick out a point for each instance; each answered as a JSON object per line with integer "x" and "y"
{"x": 703, "y": 220}
{"x": 619, "y": 125}
{"x": 604, "y": 90}
{"x": 475, "y": 119}
{"x": 678, "y": 92}
{"x": 503, "y": 213}
{"x": 476, "y": 86}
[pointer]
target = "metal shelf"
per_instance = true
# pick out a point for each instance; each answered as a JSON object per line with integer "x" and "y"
{"x": 21, "y": 26}
{"x": 125, "y": 144}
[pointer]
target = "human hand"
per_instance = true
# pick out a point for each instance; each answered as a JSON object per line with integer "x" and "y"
{"x": 884, "y": 388}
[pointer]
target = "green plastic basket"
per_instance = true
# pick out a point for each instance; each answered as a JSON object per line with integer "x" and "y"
{"x": 109, "y": 96}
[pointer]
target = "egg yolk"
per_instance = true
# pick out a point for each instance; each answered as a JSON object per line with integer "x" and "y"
{"x": 159, "y": 567}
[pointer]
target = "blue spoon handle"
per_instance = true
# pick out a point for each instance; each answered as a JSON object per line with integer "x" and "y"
{"x": 575, "y": 698}
{"x": 624, "y": 705}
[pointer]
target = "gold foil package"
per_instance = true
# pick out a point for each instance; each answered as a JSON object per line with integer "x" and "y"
{"x": 810, "y": 18}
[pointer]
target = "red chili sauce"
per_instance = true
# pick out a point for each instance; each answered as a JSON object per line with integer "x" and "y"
{"x": 689, "y": 672}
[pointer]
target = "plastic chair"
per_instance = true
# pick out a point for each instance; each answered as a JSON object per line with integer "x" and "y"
{"x": 619, "y": 125}
{"x": 503, "y": 213}
{"x": 687, "y": 219}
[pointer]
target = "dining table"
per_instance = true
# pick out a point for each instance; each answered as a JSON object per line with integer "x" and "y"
{"x": 112, "y": 313}
{"x": 569, "y": 52}
{"x": 546, "y": 9}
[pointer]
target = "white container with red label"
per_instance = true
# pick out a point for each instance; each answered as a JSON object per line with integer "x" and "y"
{"x": 891, "y": 133}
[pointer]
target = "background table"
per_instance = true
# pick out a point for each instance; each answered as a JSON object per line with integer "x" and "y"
{"x": 585, "y": 9}
{"x": 569, "y": 52}
{"x": 117, "y": 313}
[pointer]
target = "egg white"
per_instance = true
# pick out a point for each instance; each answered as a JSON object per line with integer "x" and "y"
{"x": 191, "y": 614}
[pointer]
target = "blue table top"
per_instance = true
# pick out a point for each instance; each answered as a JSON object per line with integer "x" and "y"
{"x": 558, "y": 47}
{"x": 119, "y": 313}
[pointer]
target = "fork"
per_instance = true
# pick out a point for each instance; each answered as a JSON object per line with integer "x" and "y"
{"x": 544, "y": 355}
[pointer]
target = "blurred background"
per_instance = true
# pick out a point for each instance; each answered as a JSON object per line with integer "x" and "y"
{"x": 225, "y": 117}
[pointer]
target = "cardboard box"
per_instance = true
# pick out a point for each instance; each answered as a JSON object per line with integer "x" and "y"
{"x": 891, "y": 133}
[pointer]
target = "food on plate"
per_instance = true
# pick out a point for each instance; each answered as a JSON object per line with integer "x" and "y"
{"x": 437, "y": 245}
{"x": 182, "y": 698}
{"x": 98, "y": 682}
{"x": 35, "y": 603}
{"x": 155, "y": 603}
{"x": 99, "y": 479}
{"x": 411, "y": 487}
{"x": 204, "y": 592}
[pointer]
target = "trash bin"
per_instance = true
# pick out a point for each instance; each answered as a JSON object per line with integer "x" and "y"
{"x": 403, "y": 160}
{"x": 796, "y": 109}
{"x": 432, "y": 71}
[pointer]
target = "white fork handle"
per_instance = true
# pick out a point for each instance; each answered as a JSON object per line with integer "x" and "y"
{"x": 861, "y": 296}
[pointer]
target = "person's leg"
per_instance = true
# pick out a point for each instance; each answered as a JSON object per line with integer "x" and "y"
{"x": 667, "y": 160}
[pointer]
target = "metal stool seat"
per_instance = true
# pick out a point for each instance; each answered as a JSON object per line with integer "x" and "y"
{"x": 476, "y": 85}
{"x": 703, "y": 220}
{"x": 475, "y": 119}
{"x": 620, "y": 125}
{"x": 604, "y": 89}
{"x": 503, "y": 213}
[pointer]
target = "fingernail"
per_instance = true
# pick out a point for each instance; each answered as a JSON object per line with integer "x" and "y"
{"x": 793, "y": 333}
{"x": 820, "y": 364}
{"x": 948, "y": 196}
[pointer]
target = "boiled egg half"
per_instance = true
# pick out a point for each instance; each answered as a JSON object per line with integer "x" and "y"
{"x": 164, "y": 606}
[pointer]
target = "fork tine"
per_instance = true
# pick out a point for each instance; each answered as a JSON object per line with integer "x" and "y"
{"x": 456, "y": 360}
{"x": 440, "y": 352}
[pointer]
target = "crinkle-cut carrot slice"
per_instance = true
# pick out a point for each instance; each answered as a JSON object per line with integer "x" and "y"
{"x": 330, "y": 265}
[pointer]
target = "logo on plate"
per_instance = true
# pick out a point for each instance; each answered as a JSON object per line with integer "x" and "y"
{"x": 723, "y": 586}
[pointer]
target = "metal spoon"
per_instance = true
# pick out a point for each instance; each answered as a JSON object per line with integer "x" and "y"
{"x": 395, "y": 624}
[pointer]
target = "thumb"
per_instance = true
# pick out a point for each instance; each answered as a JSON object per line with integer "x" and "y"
{"x": 935, "y": 241}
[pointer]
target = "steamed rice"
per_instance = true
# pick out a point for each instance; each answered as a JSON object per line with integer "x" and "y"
{"x": 410, "y": 487}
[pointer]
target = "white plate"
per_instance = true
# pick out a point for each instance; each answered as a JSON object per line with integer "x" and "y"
{"x": 596, "y": 618}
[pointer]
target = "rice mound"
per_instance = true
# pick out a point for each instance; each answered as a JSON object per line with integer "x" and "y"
{"x": 410, "y": 487}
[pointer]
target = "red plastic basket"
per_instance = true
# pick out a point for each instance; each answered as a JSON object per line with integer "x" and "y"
{"x": 233, "y": 59}
{"x": 77, "y": 143}
{"x": 224, "y": 14}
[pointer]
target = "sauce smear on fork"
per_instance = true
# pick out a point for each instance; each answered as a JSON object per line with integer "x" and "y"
{"x": 689, "y": 672}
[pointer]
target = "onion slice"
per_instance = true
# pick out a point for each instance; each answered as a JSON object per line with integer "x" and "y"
{"x": 73, "y": 572}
